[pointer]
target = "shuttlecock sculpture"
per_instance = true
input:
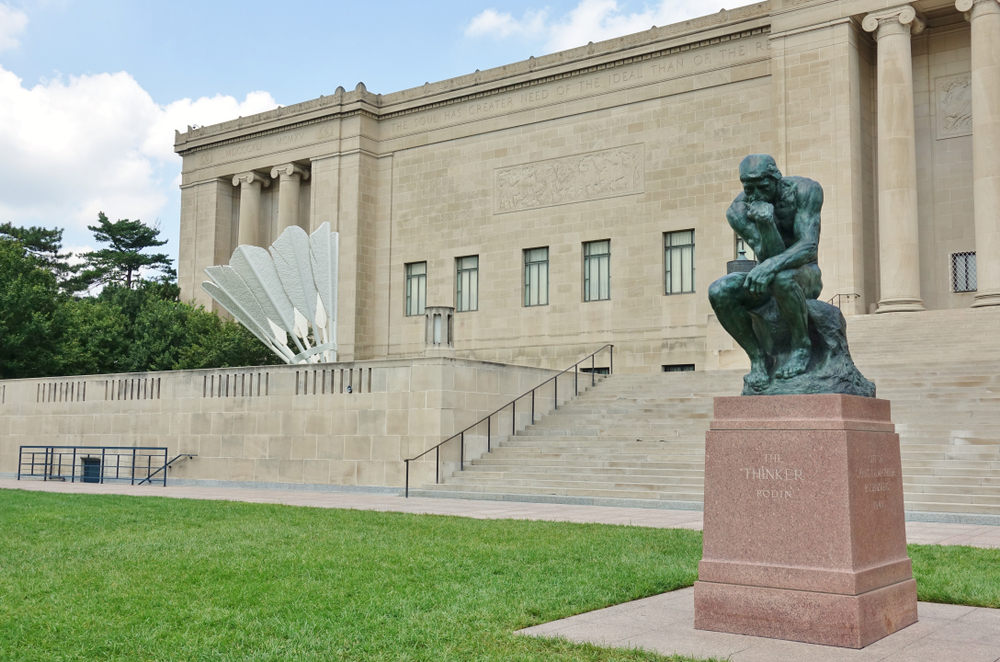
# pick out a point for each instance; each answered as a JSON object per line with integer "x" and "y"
{"x": 290, "y": 290}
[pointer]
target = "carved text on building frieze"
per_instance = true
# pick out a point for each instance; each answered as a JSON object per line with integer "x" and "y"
{"x": 578, "y": 178}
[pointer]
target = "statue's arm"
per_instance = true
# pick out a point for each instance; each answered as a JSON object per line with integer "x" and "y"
{"x": 807, "y": 226}
{"x": 804, "y": 250}
{"x": 747, "y": 231}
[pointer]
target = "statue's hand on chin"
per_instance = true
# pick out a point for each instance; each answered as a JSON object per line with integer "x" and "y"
{"x": 759, "y": 211}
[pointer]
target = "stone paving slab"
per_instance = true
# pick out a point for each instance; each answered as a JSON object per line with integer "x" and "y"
{"x": 927, "y": 533}
{"x": 665, "y": 624}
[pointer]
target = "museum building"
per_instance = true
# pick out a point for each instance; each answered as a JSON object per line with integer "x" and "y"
{"x": 579, "y": 197}
{"x": 496, "y": 228}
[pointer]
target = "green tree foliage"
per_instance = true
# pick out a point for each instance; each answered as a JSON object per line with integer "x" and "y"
{"x": 123, "y": 261}
{"x": 44, "y": 245}
{"x": 28, "y": 302}
{"x": 132, "y": 325}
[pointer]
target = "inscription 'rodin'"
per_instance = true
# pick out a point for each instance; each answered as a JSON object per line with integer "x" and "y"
{"x": 773, "y": 473}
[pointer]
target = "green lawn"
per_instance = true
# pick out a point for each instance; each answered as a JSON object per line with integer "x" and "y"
{"x": 142, "y": 578}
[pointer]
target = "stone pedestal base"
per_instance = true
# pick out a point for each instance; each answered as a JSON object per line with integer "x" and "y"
{"x": 805, "y": 537}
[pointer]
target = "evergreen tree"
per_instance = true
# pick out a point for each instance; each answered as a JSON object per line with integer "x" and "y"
{"x": 44, "y": 245}
{"x": 123, "y": 261}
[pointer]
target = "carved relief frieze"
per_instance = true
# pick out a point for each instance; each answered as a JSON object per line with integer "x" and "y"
{"x": 954, "y": 106}
{"x": 605, "y": 174}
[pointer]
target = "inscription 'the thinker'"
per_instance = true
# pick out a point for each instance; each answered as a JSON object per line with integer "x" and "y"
{"x": 775, "y": 473}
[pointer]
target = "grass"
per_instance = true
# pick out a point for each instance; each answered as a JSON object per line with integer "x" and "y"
{"x": 87, "y": 577}
{"x": 957, "y": 575}
{"x": 143, "y": 578}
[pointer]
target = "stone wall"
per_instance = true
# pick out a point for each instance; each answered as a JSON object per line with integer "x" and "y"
{"x": 277, "y": 424}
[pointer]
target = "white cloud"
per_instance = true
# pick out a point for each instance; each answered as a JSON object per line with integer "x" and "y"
{"x": 12, "y": 23}
{"x": 494, "y": 24}
{"x": 69, "y": 149}
{"x": 590, "y": 20}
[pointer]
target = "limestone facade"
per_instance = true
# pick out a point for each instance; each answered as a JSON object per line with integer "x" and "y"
{"x": 348, "y": 424}
{"x": 615, "y": 147}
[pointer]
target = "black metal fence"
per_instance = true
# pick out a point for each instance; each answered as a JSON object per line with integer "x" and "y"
{"x": 94, "y": 464}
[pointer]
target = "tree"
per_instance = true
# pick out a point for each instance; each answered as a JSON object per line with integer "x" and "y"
{"x": 44, "y": 246}
{"x": 123, "y": 261}
{"x": 28, "y": 302}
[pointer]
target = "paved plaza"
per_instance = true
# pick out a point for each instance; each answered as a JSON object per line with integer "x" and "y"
{"x": 663, "y": 623}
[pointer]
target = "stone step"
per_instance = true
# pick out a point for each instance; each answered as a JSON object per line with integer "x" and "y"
{"x": 566, "y": 491}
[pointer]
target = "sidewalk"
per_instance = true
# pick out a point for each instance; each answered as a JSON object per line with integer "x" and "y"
{"x": 925, "y": 533}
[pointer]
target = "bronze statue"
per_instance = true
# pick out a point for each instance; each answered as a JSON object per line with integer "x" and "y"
{"x": 796, "y": 344}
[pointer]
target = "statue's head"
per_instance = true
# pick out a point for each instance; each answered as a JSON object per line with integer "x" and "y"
{"x": 760, "y": 177}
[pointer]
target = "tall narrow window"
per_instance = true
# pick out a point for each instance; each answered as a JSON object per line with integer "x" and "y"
{"x": 597, "y": 270}
{"x": 467, "y": 284}
{"x": 536, "y": 277}
{"x": 963, "y": 272}
{"x": 416, "y": 288}
{"x": 678, "y": 253}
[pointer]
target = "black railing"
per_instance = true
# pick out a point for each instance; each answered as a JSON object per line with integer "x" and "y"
{"x": 95, "y": 464}
{"x": 488, "y": 419}
{"x": 838, "y": 299}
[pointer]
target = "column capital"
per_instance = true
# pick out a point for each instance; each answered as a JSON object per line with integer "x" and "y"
{"x": 289, "y": 170}
{"x": 251, "y": 177}
{"x": 901, "y": 19}
{"x": 970, "y": 7}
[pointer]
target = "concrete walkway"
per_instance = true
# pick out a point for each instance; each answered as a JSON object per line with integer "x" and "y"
{"x": 665, "y": 624}
{"x": 662, "y": 623}
{"x": 925, "y": 533}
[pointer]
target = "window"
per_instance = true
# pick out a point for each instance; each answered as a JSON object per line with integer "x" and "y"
{"x": 679, "y": 367}
{"x": 963, "y": 272}
{"x": 416, "y": 288}
{"x": 597, "y": 270}
{"x": 678, "y": 251}
{"x": 744, "y": 247}
{"x": 536, "y": 277}
{"x": 467, "y": 284}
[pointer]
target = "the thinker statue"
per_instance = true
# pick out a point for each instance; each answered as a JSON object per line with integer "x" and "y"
{"x": 796, "y": 344}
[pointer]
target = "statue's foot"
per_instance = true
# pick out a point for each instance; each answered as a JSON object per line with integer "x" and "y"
{"x": 797, "y": 364}
{"x": 757, "y": 378}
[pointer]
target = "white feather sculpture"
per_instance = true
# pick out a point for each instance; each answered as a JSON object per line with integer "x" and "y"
{"x": 291, "y": 290}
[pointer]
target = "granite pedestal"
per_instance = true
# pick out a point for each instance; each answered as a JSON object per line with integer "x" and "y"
{"x": 805, "y": 537}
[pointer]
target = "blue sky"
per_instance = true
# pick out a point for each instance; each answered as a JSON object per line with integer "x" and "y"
{"x": 91, "y": 90}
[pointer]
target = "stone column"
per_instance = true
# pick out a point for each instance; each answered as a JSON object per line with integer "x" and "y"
{"x": 288, "y": 194}
{"x": 899, "y": 246}
{"x": 985, "y": 18}
{"x": 250, "y": 184}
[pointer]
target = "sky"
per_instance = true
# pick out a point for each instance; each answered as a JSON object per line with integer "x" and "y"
{"x": 91, "y": 91}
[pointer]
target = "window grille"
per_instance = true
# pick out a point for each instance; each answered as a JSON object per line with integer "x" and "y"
{"x": 678, "y": 250}
{"x": 679, "y": 367}
{"x": 536, "y": 277}
{"x": 467, "y": 284}
{"x": 416, "y": 288}
{"x": 597, "y": 270}
{"x": 963, "y": 272}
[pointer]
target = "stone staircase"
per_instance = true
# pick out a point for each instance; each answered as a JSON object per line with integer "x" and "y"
{"x": 641, "y": 436}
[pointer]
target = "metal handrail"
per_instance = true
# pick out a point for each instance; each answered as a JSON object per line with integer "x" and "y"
{"x": 164, "y": 468}
{"x": 513, "y": 405}
{"x": 838, "y": 297}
